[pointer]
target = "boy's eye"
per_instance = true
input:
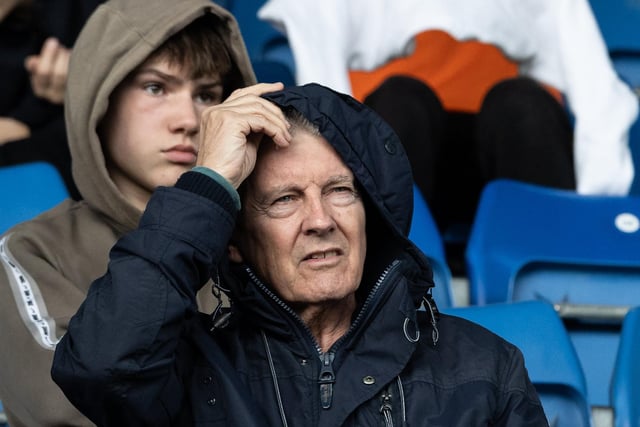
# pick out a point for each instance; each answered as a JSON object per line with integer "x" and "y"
{"x": 153, "y": 88}
{"x": 209, "y": 97}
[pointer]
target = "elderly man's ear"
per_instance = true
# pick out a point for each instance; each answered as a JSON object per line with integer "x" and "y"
{"x": 234, "y": 253}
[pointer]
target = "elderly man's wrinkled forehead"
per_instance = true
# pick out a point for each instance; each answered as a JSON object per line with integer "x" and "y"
{"x": 271, "y": 159}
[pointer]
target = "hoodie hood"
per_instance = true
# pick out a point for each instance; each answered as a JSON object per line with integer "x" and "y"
{"x": 118, "y": 37}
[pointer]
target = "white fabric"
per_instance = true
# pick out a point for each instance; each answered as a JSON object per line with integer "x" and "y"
{"x": 554, "y": 41}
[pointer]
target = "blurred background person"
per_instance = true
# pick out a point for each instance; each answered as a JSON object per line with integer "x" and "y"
{"x": 35, "y": 38}
{"x": 475, "y": 90}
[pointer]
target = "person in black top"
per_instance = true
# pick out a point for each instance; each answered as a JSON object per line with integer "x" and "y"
{"x": 35, "y": 38}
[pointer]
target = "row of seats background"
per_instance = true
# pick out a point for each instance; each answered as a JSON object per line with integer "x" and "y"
{"x": 555, "y": 273}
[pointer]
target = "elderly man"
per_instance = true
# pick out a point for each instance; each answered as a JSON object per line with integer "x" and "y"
{"x": 303, "y": 223}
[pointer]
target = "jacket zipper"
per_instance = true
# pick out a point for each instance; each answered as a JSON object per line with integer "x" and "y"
{"x": 327, "y": 377}
{"x": 326, "y": 380}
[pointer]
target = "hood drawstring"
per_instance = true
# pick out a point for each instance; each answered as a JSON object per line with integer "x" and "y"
{"x": 433, "y": 312}
{"x": 274, "y": 377}
{"x": 387, "y": 400}
{"x": 415, "y": 338}
{"x": 221, "y": 315}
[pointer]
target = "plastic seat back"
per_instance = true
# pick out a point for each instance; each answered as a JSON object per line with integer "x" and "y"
{"x": 578, "y": 252}
{"x": 619, "y": 23}
{"x": 553, "y": 366}
{"x": 634, "y": 146}
{"x": 3, "y": 417}
{"x": 424, "y": 233}
{"x": 533, "y": 242}
{"x": 28, "y": 189}
{"x": 625, "y": 387}
{"x": 268, "y": 48}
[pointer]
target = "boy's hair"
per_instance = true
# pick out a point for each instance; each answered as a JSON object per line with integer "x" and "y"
{"x": 201, "y": 47}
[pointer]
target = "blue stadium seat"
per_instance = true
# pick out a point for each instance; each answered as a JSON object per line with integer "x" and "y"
{"x": 3, "y": 417}
{"x": 426, "y": 236}
{"x": 534, "y": 242}
{"x": 28, "y": 189}
{"x": 625, "y": 388}
{"x": 634, "y": 145}
{"x": 268, "y": 48}
{"x": 619, "y": 22}
{"x": 580, "y": 253}
{"x": 537, "y": 330}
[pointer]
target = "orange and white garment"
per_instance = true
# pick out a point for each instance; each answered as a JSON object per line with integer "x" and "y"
{"x": 351, "y": 45}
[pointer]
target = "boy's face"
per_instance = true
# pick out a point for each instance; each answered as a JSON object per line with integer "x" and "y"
{"x": 150, "y": 131}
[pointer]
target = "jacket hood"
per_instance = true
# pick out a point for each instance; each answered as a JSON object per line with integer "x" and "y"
{"x": 375, "y": 155}
{"x": 372, "y": 150}
{"x": 366, "y": 144}
{"x": 118, "y": 37}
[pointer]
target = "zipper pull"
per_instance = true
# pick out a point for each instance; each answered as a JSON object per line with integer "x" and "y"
{"x": 385, "y": 407}
{"x": 326, "y": 380}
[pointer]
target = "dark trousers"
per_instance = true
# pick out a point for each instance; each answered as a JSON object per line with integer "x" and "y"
{"x": 521, "y": 132}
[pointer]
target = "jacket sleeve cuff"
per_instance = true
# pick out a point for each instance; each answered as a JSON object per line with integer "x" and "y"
{"x": 208, "y": 183}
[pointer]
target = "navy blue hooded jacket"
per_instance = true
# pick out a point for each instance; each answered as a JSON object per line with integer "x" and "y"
{"x": 138, "y": 353}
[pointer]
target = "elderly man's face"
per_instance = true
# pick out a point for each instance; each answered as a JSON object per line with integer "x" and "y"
{"x": 304, "y": 222}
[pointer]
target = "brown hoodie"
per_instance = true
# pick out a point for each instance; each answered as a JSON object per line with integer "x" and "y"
{"x": 48, "y": 263}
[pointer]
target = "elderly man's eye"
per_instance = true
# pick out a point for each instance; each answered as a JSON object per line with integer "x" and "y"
{"x": 284, "y": 199}
{"x": 283, "y": 206}
{"x": 342, "y": 196}
{"x": 343, "y": 190}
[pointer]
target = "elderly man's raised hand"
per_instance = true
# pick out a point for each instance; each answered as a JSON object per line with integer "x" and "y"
{"x": 231, "y": 132}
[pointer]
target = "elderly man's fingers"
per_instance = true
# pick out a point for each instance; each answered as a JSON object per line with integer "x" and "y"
{"x": 248, "y": 101}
